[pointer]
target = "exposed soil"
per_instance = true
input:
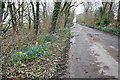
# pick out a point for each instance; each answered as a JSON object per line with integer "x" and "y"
{"x": 63, "y": 62}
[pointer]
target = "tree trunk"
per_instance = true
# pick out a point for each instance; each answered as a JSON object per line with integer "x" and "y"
{"x": 44, "y": 11}
{"x": 37, "y": 17}
{"x": 1, "y": 12}
{"x": 66, "y": 18}
{"x": 29, "y": 18}
{"x": 13, "y": 18}
{"x": 1, "y": 37}
{"x": 67, "y": 12}
{"x": 22, "y": 13}
{"x": 103, "y": 10}
{"x": 86, "y": 9}
{"x": 55, "y": 16}
{"x": 118, "y": 19}
{"x": 110, "y": 13}
{"x": 33, "y": 10}
{"x": 19, "y": 14}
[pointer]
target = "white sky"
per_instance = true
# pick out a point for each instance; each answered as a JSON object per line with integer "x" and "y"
{"x": 79, "y": 9}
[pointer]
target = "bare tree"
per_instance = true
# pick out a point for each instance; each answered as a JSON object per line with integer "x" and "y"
{"x": 55, "y": 16}
{"x": 110, "y": 12}
{"x": 1, "y": 11}
{"x": 0, "y": 37}
{"x": 33, "y": 10}
{"x": 103, "y": 10}
{"x": 37, "y": 17}
{"x": 29, "y": 17}
{"x": 13, "y": 15}
{"x": 66, "y": 8}
{"x": 22, "y": 12}
{"x": 44, "y": 5}
{"x": 19, "y": 14}
{"x": 118, "y": 19}
{"x": 86, "y": 9}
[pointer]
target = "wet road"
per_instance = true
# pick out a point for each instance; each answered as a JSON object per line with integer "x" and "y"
{"x": 93, "y": 54}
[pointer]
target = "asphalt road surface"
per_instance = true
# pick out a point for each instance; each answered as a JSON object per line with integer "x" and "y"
{"x": 93, "y": 54}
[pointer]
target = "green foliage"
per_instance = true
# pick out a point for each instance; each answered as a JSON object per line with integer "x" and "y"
{"x": 117, "y": 32}
{"x": 50, "y": 38}
{"x": 4, "y": 26}
{"x": 49, "y": 54}
{"x": 98, "y": 23}
{"x": 114, "y": 31}
{"x": 66, "y": 29}
{"x": 25, "y": 24}
{"x": 30, "y": 54}
{"x": 105, "y": 21}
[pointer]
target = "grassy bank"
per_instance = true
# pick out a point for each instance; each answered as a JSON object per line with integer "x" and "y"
{"x": 106, "y": 29}
{"x": 28, "y": 56}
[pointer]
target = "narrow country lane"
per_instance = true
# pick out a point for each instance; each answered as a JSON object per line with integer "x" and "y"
{"x": 93, "y": 54}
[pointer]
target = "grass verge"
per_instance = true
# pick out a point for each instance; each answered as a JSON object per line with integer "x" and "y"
{"x": 106, "y": 29}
